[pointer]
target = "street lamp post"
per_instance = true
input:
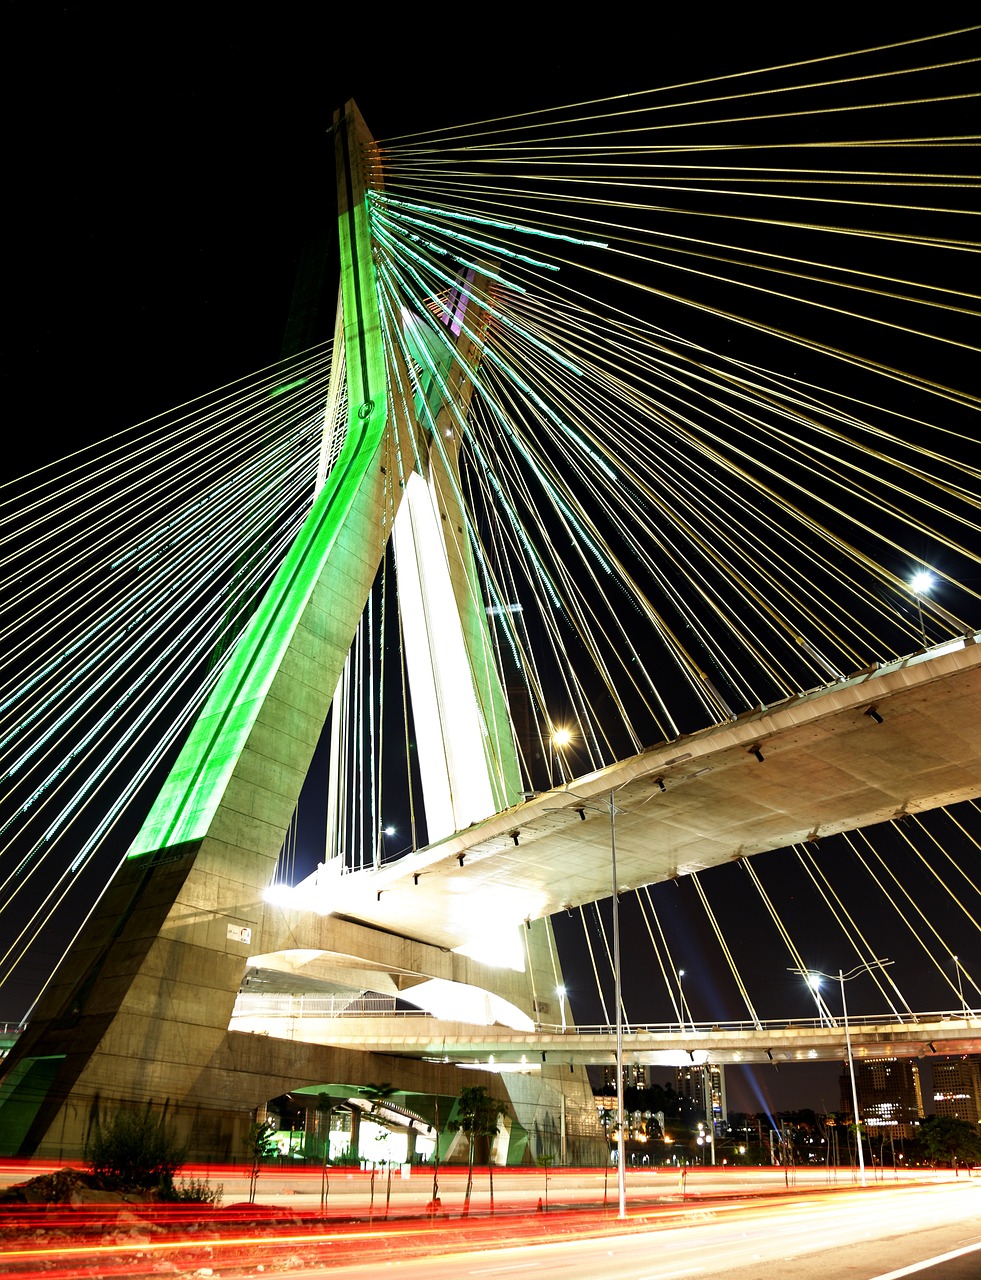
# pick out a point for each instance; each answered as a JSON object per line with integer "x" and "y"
{"x": 920, "y": 585}
{"x": 812, "y": 978}
{"x": 685, "y": 1007}
{"x": 851, "y": 1072}
{"x": 558, "y": 741}
{"x": 560, "y": 992}
{"x": 960, "y": 987}
{"x": 618, "y": 1000}
{"x": 621, "y": 1171}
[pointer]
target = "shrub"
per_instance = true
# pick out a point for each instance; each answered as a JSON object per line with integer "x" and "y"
{"x": 195, "y": 1191}
{"x": 346, "y": 1158}
{"x": 135, "y": 1151}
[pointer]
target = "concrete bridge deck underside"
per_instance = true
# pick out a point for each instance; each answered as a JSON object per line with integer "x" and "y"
{"x": 889, "y": 741}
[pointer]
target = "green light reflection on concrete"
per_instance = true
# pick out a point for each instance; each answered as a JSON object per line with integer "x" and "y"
{"x": 190, "y": 797}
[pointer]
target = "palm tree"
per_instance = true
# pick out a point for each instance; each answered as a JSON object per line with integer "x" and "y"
{"x": 377, "y": 1094}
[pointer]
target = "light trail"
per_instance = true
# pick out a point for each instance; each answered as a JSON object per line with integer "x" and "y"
{"x": 785, "y": 1224}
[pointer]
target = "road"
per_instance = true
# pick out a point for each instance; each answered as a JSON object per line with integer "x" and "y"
{"x": 744, "y": 1224}
{"x": 875, "y": 1234}
{"x": 350, "y": 1190}
{"x": 298, "y": 1187}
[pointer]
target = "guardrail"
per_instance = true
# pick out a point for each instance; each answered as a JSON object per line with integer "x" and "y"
{"x": 271, "y": 1005}
{"x": 274, "y": 1004}
{"x": 776, "y": 1024}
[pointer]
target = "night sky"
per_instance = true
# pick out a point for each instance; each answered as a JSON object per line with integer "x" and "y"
{"x": 166, "y": 170}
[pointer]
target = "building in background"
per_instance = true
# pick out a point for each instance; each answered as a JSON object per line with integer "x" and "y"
{"x": 957, "y": 1088}
{"x": 633, "y": 1077}
{"x": 890, "y": 1096}
{"x": 705, "y": 1089}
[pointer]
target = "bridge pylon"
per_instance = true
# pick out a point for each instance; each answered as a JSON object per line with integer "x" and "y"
{"x": 140, "y": 1009}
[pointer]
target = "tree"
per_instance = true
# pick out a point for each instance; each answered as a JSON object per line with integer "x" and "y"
{"x": 435, "y": 1200}
{"x": 672, "y": 1102}
{"x": 377, "y": 1094}
{"x": 478, "y": 1117}
{"x": 261, "y": 1145}
{"x": 606, "y": 1115}
{"x": 325, "y": 1109}
{"x": 950, "y": 1140}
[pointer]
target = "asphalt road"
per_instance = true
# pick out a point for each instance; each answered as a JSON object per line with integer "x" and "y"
{"x": 350, "y": 1192}
{"x": 744, "y": 1224}
{"x": 877, "y": 1234}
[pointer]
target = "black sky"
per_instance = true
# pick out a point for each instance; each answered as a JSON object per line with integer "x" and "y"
{"x": 168, "y": 164}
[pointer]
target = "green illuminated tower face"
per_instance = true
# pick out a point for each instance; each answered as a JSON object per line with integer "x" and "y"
{"x": 250, "y": 747}
{"x": 257, "y": 698}
{"x": 141, "y": 1011}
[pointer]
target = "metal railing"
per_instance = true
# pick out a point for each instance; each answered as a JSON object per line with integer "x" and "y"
{"x": 269, "y": 1004}
{"x": 274, "y": 1005}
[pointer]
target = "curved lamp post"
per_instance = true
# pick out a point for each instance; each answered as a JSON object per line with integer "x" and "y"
{"x": 609, "y": 806}
{"x": 813, "y": 979}
{"x": 920, "y": 585}
{"x": 558, "y": 741}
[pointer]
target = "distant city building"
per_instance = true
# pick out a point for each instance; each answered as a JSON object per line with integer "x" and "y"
{"x": 890, "y": 1097}
{"x": 705, "y": 1088}
{"x": 957, "y": 1088}
{"x": 633, "y": 1077}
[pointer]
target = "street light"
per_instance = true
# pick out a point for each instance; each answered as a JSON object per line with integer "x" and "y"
{"x": 813, "y": 978}
{"x": 813, "y": 981}
{"x": 921, "y": 584}
{"x": 621, "y": 1172}
{"x": 610, "y": 807}
{"x": 960, "y": 987}
{"x": 558, "y": 741}
{"x": 560, "y": 992}
{"x": 685, "y": 1007}
{"x": 388, "y": 830}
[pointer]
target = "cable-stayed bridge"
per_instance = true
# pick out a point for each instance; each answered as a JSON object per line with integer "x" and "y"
{"x": 661, "y": 537}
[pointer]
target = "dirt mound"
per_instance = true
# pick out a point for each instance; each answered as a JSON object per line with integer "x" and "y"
{"x": 70, "y": 1186}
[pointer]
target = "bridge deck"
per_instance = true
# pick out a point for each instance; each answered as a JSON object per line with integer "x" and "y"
{"x": 815, "y": 765}
{"x": 424, "y": 1037}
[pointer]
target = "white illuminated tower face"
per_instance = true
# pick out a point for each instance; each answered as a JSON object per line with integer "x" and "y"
{"x": 449, "y": 726}
{"x": 467, "y": 758}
